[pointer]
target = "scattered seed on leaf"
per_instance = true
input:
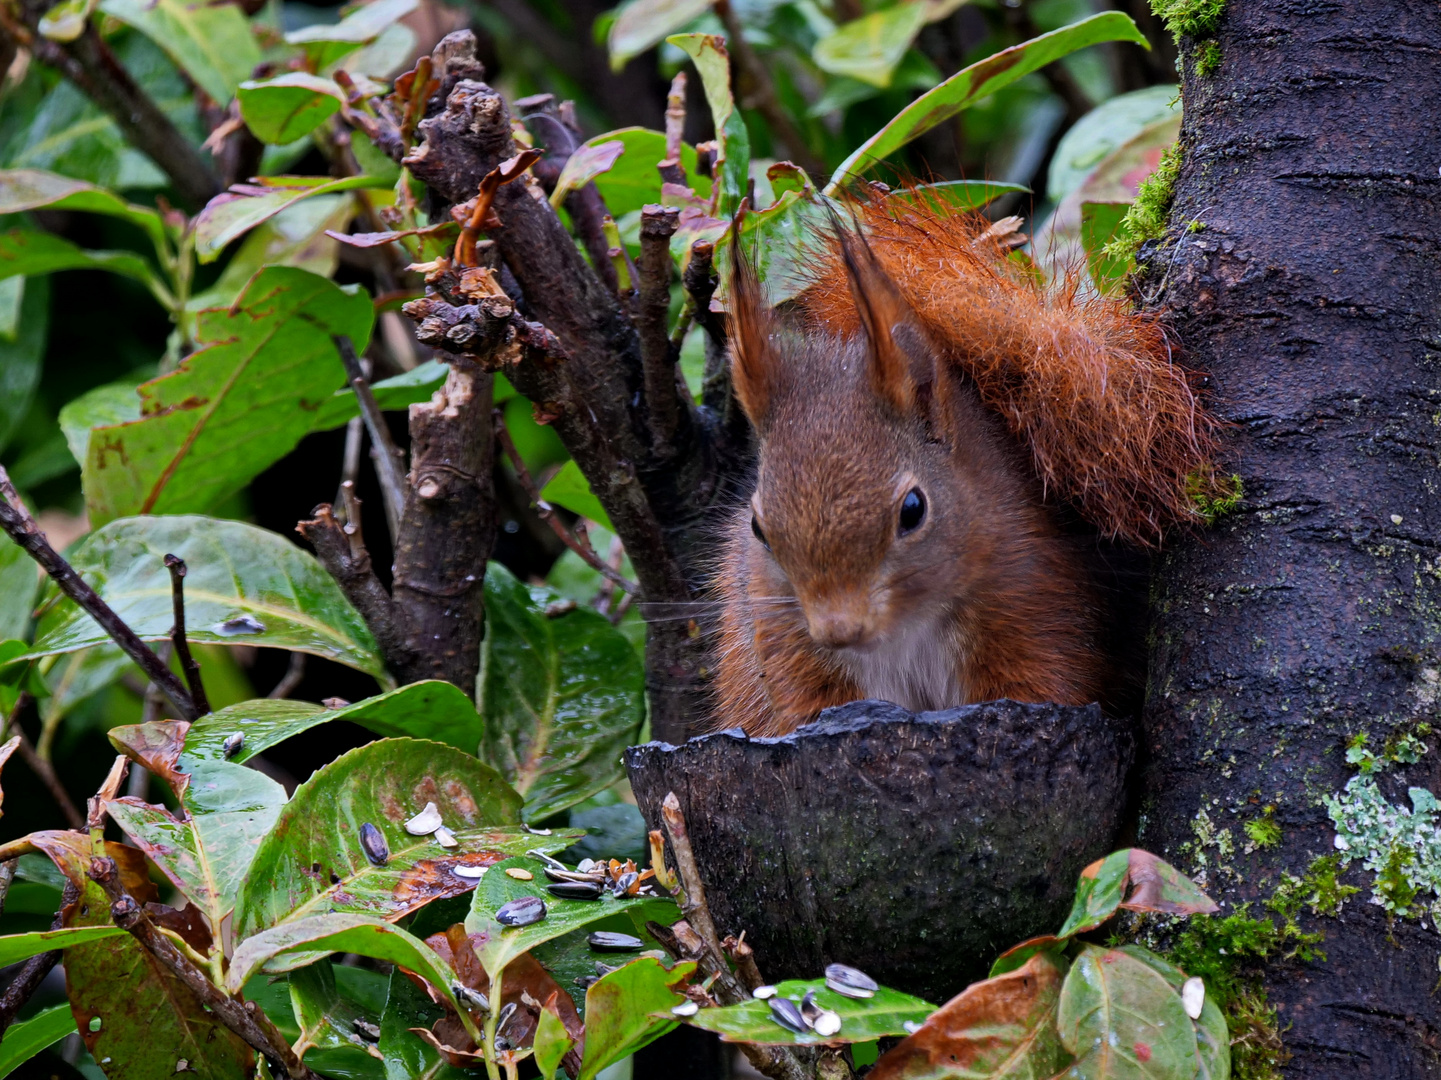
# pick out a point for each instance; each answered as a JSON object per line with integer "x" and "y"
{"x": 445, "y": 838}
{"x": 373, "y": 843}
{"x": 519, "y": 874}
{"x": 848, "y": 982}
{"x": 1193, "y": 996}
{"x": 233, "y": 744}
{"x": 785, "y": 1013}
{"x": 686, "y": 1008}
{"x": 425, "y": 822}
{"x": 472, "y": 872}
{"x": 763, "y": 992}
{"x": 608, "y": 941}
{"x": 522, "y": 911}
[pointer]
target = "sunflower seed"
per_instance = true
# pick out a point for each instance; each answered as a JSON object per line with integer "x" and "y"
{"x": 550, "y": 864}
{"x": 827, "y": 1023}
{"x": 232, "y": 744}
{"x": 471, "y": 873}
{"x": 522, "y": 911}
{"x": 425, "y": 822}
{"x": 624, "y": 882}
{"x": 367, "y": 1031}
{"x": 607, "y": 941}
{"x": 535, "y": 832}
{"x": 763, "y": 992}
{"x": 586, "y": 866}
{"x": 519, "y": 874}
{"x": 911, "y": 1027}
{"x": 809, "y": 1009}
{"x": 785, "y": 1013}
{"x": 1193, "y": 997}
{"x": 848, "y": 982}
{"x": 576, "y": 890}
{"x": 686, "y": 1008}
{"x": 445, "y": 838}
{"x": 373, "y": 844}
{"x": 241, "y": 624}
{"x": 602, "y": 969}
{"x": 472, "y": 1000}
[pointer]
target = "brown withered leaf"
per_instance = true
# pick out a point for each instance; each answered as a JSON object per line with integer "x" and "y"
{"x": 188, "y": 922}
{"x": 444, "y": 230}
{"x": 1156, "y": 885}
{"x": 156, "y": 744}
{"x": 1000, "y": 1029}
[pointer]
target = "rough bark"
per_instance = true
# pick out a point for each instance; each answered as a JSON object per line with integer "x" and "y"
{"x": 1313, "y": 613}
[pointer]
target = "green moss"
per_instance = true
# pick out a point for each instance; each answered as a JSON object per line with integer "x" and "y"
{"x": 1198, "y": 18}
{"x": 1256, "y": 1049}
{"x": 1393, "y": 883}
{"x": 1265, "y": 832}
{"x": 1214, "y": 496}
{"x": 1146, "y": 219}
{"x": 1208, "y": 58}
{"x": 1319, "y": 890}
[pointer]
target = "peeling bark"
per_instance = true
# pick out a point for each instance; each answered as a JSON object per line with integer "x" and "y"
{"x": 1313, "y": 612}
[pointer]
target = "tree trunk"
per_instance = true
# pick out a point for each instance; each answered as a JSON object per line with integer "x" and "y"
{"x": 1312, "y": 613}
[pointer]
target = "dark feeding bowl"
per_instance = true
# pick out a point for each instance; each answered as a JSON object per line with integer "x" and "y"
{"x": 914, "y": 847}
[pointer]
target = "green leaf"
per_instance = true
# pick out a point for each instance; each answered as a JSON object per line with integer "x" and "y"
{"x": 589, "y": 161}
{"x": 17, "y": 947}
{"x": 31, "y": 252}
{"x": 325, "y": 44}
{"x": 1099, "y": 893}
{"x": 1099, "y": 223}
{"x": 327, "y": 1014}
{"x": 22, "y": 356}
{"x": 783, "y": 241}
{"x": 733, "y": 155}
{"x": 551, "y": 1043}
{"x": 569, "y": 488}
{"x": 633, "y": 180}
{"x": 29, "y": 1037}
{"x": 36, "y": 189}
{"x": 504, "y": 943}
{"x": 861, "y": 1019}
{"x": 111, "y": 403}
{"x": 562, "y": 696}
{"x": 283, "y": 109}
{"x": 66, "y": 20}
{"x": 384, "y": 783}
{"x": 869, "y": 48}
{"x": 431, "y": 709}
{"x": 406, "y": 1056}
{"x": 959, "y": 194}
{"x": 18, "y": 586}
{"x": 1103, "y": 129}
{"x": 398, "y": 392}
{"x": 1156, "y": 885}
{"x": 621, "y": 1008}
{"x": 980, "y": 80}
{"x": 233, "y": 407}
{"x": 1123, "y": 1021}
{"x": 1213, "y": 1040}
{"x": 211, "y": 42}
{"x": 236, "y": 572}
{"x": 234, "y": 213}
{"x": 206, "y": 856}
{"x": 643, "y": 24}
{"x": 77, "y": 676}
{"x": 998, "y": 1029}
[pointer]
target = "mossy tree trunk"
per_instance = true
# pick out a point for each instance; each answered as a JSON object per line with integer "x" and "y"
{"x": 1311, "y": 614}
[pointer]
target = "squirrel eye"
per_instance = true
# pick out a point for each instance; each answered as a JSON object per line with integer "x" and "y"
{"x": 756, "y": 530}
{"x": 913, "y": 511}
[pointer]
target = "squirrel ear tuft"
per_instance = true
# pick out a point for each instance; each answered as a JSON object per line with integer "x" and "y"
{"x": 882, "y": 310}
{"x": 753, "y": 365}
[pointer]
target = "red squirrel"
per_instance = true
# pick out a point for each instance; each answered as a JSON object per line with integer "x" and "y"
{"x": 918, "y": 415}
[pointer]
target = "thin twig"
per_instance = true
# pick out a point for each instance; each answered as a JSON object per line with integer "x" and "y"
{"x": 671, "y": 169}
{"x": 350, "y": 456}
{"x": 341, "y": 550}
{"x": 40, "y": 767}
{"x": 176, "y": 565}
{"x": 7, "y": 878}
{"x": 389, "y": 466}
{"x": 246, "y": 1020}
{"x": 543, "y": 509}
{"x": 693, "y": 905}
{"x": 21, "y": 527}
{"x": 652, "y": 308}
{"x": 291, "y": 679}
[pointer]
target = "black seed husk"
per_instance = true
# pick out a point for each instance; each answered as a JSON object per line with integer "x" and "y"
{"x": 606, "y": 941}
{"x": 522, "y": 911}
{"x": 372, "y": 842}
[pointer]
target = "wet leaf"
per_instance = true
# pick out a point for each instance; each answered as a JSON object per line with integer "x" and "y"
{"x": 111, "y": 403}
{"x": 289, "y": 106}
{"x": 17, "y": 947}
{"x": 504, "y": 943}
{"x": 32, "y": 252}
{"x": 569, "y": 488}
{"x": 959, "y": 194}
{"x": 327, "y": 43}
{"x": 562, "y": 696}
{"x": 22, "y": 355}
{"x": 398, "y": 392}
{"x": 233, "y": 213}
{"x": 78, "y": 675}
{"x": 1123, "y": 1021}
{"x": 1103, "y": 129}
{"x": 583, "y": 166}
{"x": 1017, "y": 955}
{"x": 432, "y": 709}
{"x": 206, "y": 857}
{"x": 621, "y": 1011}
{"x": 551, "y": 1041}
{"x": 235, "y": 406}
{"x": 643, "y": 24}
{"x": 862, "y": 1019}
{"x": 328, "y": 1040}
{"x": 245, "y": 586}
{"x": 1099, "y": 223}
{"x": 36, "y": 189}
{"x": 1154, "y": 886}
{"x": 1001, "y": 1028}
{"x": 405, "y": 1054}
{"x": 156, "y": 745}
{"x": 211, "y": 42}
{"x": 29, "y": 1037}
{"x": 1213, "y": 1040}
{"x": 733, "y": 159}
{"x": 969, "y": 85}
{"x": 869, "y": 48}
{"x": 312, "y": 860}
{"x": 633, "y": 180}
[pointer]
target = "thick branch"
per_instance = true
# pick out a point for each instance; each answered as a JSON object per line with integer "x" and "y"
{"x": 176, "y": 566}
{"x": 247, "y": 1021}
{"x": 92, "y": 67}
{"x": 667, "y": 408}
{"x": 21, "y": 527}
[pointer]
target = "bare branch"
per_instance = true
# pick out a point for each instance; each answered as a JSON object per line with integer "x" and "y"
{"x": 341, "y": 550}
{"x": 671, "y": 169}
{"x": 389, "y": 460}
{"x": 247, "y": 1021}
{"x": 39, "y": 766}
{"x": 21, "y": 527}
{"x": 176, "y": 566}
{"x": 693, "y": 904}
{"x": 547, "y": 513}
{"x": 292, "y": 678}
{"x": 657, "y": 225}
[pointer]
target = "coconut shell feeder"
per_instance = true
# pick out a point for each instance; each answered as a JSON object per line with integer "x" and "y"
{"x": 915, "y": 847}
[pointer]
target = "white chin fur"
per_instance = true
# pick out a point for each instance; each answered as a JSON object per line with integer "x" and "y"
{"x": 916, "y": 667}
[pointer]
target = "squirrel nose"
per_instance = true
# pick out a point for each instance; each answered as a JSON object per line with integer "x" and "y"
{"x": 836, "y": 627}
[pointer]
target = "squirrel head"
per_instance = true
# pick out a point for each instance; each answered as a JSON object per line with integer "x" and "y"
{"x": 882, "y": 482}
